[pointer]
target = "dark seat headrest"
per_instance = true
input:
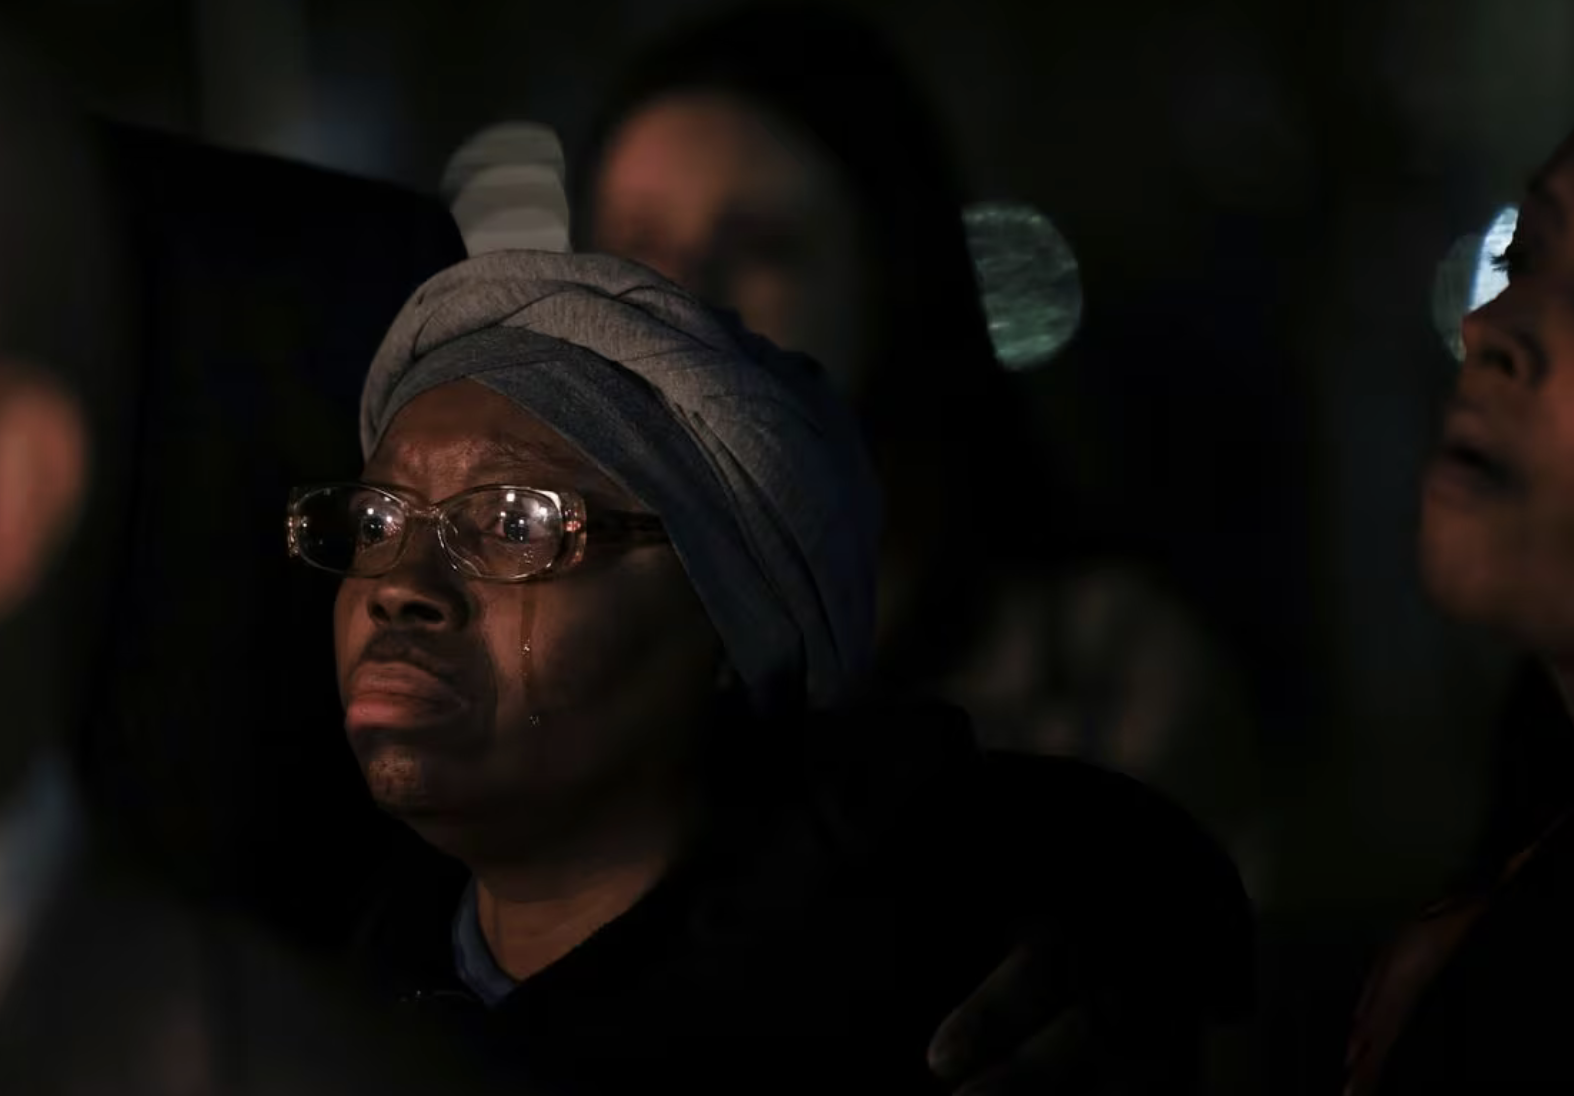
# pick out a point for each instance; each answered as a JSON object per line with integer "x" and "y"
{"x": 263, "y": 288}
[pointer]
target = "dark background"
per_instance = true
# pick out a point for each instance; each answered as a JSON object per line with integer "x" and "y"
{"x": 1259, "y": 192}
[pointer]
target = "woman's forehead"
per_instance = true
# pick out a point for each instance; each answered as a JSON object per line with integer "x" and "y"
{"x": 465, "y": 433}
{"x": 1547, "y": 209}
{"x": 1557, "y": 174}
{"x": 721, "y": 139}
{"x": 1565, "y": 153}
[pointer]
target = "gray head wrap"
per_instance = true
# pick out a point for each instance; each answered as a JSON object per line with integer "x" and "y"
{"x": 751, "y": 461}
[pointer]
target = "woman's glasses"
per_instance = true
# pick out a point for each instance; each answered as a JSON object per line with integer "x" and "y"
{"x": 493, "y": 533}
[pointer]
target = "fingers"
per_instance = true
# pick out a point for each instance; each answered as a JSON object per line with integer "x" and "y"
{"x": 1058, "y": 1061}
{"x": 1096, "y": 1047}
{"x": 1022, "y": 997}
{"x": 1076, "y": 1056}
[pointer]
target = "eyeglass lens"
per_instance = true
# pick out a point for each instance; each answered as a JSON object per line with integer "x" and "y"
{"x": 499, "y": 533}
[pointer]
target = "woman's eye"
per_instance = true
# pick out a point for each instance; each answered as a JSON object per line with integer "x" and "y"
{"x": 372, "y": 526}
{"x": 371, "y": 530}
{"x": 514, "y": 526}
{"x": 1510, "y": 262}
{"x": 777, "y": 248}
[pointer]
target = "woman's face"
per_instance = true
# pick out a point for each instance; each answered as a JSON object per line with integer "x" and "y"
{"x": 1497, "y": 530}
{"x": 746, "y": 214}
{"x": 482, "y": 711}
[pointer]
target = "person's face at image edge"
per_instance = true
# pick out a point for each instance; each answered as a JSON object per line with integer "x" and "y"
{"x": 1497, "y": 528}
{"x": 43, "y": 471}
{"x": 482, "y": 711}
{"x": 747, "y": 214}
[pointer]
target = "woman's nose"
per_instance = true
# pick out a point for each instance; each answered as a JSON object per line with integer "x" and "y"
{"x": 423, "y": 590}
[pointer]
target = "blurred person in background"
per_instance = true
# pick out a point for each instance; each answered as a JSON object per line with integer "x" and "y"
{"x": 607, "y": 607}
{"x": 105, "y": 986}
{"x": 1473, "y": 996}
{"x": 780, "y": 162}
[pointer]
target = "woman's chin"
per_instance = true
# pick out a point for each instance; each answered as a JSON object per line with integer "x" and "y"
{"x": 1460, "y": 567}
{"x": 1514, "y": 613}
{"x": 414, "y": 786}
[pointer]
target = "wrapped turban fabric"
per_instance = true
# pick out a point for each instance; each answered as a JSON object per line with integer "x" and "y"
{"x": 753, "y": 464}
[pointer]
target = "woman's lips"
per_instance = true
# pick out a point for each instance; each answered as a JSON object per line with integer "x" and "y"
{"x": 395, "y": 695}
{"x": 1466, "y": 467}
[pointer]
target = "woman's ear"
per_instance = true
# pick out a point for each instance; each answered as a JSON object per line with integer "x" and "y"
{"x": 43, "y": 477}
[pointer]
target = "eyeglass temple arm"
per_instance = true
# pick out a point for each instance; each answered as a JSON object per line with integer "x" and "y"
{"x": 625, "y": 528}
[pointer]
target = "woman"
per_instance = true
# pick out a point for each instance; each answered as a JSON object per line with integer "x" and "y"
{"x": 825, "y": 212}
{"x": 1474, "y": 997}
{"x": 607, "y": 599}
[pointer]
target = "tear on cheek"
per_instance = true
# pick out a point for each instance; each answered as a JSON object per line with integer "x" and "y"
{"x": 528, "y": 599}
{"x": 594, "y": 653}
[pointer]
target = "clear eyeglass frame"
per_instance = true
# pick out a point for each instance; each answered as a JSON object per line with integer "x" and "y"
{"x": 577, "y": 528}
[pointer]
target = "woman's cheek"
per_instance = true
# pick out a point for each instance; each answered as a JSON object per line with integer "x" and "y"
{"x": 597, "y": 633}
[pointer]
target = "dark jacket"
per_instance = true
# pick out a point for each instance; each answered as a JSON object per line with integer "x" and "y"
{"x": 1498, "y": 1016}
{"x": 859, "y": 878}
{"x": 122, "y": 993}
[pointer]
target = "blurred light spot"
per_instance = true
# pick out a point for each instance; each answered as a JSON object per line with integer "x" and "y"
{"x": 1029, "y": 279}
{"x": 1468, "y": 277}
{"x": 505, "y": 189}
{"x": 1490, "y": 281}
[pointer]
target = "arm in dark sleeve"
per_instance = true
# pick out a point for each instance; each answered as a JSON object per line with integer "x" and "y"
{"x": 1152, "y": 903}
